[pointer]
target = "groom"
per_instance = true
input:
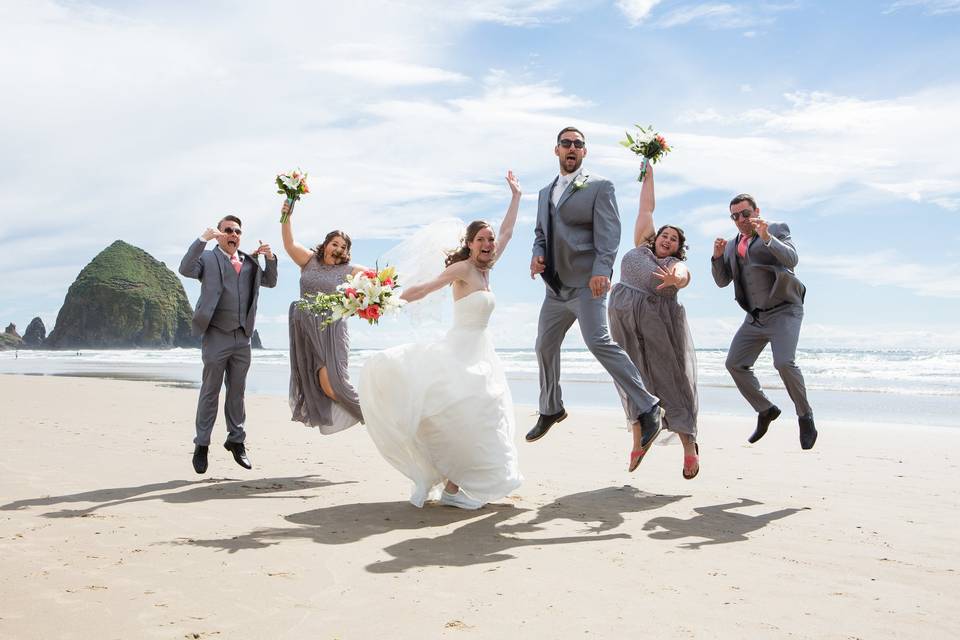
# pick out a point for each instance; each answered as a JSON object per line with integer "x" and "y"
{"x": 229, "y": 286}
{"x": 577, "y": 237}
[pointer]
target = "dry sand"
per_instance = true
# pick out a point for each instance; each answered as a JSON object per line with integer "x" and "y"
{"x": 106, "y": 532}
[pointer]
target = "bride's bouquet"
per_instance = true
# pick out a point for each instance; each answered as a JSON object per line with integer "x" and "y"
{"x": 293, "y": 185}
{"x": 646, "y": 143}
{"x": 368, "y": 294}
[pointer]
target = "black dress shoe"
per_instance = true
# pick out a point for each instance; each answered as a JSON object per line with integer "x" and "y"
{"x": 200, "y": 458}
{"x": 239, "y": 453}
{"x": 764, "y": 418}
{"x": 651, "y": 423}
{"x": 808, "y": 432}
{"x": 544, "y": 422}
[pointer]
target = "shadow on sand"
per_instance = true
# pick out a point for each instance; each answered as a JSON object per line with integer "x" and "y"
{"x": 173, "y": 492}
{"x": 718, "y": 524}
{"x": 484, "y": 537}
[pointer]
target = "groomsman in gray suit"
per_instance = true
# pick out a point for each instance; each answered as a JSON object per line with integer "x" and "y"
{"x": 760, "y": 261}
{"x": 577, "y": 237}
{"x": 229, "y": 286}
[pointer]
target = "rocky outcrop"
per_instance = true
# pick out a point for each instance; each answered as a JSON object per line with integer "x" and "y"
{"x": 35, "y": 334}
{"x": 255, "y": 340}
{"x": 124, "y": 299}
{"x": 10, "y": 339}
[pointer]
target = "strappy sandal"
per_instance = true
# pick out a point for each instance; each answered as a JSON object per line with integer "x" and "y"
{"x": 636, "y": 456}
{"x": 690, "y": 461}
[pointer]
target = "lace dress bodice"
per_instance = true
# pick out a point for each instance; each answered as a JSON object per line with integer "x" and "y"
{"x": 316, "y": 277}
{"x": 636, "y": 271}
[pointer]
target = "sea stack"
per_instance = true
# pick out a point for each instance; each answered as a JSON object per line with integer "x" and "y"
{"x": 124, "y": 299}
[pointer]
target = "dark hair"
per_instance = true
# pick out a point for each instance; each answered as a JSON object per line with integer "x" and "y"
{"x": 231, "y": 218}
{"x": 744, "y": 197}
{"x": 569, "y": 129}
{"x": 320, "y": 249}
{"x": 462, "y": 252}
{"x": 681, "y": 252}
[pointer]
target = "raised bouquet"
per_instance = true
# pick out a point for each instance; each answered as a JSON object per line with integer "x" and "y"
{"x": 368, "y": 294}
{"x": 293, "y": 185}
{"x": 646, "y": 143}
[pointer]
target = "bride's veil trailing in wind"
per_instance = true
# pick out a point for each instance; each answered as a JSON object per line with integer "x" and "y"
{"x": 420, "y": 258}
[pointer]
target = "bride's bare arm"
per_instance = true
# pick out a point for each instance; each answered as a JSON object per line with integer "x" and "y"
{"x": 510, "y": 219}
{"x": 456, "y": 271}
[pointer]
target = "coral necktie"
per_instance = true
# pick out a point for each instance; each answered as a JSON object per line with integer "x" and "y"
{"x": 235, "y": 261}
{"x": 742, "y": 246}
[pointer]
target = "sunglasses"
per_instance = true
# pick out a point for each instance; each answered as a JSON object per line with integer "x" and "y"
{"x": 566, "y": 144}
{"x": 746, "y": 213}
{"x": 232, "y": 230}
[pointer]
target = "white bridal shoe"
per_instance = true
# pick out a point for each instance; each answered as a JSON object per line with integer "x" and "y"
{"x": 459, "y": 500}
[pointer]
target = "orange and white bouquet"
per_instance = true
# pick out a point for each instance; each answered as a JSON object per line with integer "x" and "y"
{"x": 368, "y": 294}
{"x": 293, "y": 185}
{"x": 646, "y": 143}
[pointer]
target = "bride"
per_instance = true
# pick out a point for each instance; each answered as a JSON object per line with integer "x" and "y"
{"x": 441, "y": 412}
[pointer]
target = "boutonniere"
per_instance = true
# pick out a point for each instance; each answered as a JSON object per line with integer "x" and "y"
{"x": 580, "y": 183}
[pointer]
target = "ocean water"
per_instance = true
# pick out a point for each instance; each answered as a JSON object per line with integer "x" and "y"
{"x": 921, "y": 387}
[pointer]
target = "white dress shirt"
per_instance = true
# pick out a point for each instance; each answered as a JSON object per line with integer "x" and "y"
{"x": 563, "y": 181}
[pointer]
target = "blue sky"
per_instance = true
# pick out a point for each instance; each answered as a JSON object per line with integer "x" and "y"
{"x": 147, "y": 121}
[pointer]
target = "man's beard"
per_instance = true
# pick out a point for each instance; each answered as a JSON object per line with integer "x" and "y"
{"x": 563, "y": 165}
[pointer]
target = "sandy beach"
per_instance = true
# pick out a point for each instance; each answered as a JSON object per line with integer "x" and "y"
{"x": 106, "y": 531}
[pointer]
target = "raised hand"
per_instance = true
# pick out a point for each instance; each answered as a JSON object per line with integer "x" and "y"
{"x": 719, "y": 245}
{"x": 669, "y": 278}
{"x": 212, "y": 234}
{"x": 760, "y": 226}
{"x": 285, "y": 209}
{"x": 514, "y": 183}
{"x": 264, "y": 250}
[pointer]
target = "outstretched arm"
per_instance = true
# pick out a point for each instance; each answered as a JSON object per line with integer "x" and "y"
{"x": 297, "y": 252}
{"x": 676, "y": 275}
{"x": 456, "y": 271}
{"x": 644, "y": 228}
{"x": 510, "y": 219}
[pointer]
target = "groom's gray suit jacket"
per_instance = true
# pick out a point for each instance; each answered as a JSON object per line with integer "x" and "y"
{"x": 585, "y": 228}
{"x": 209, "y": 267}
{"x": 766, "y": 276}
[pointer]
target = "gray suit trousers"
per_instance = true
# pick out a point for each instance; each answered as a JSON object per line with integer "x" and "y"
{"x": 781, "y": 329}
{"x": 557, "y": 315}
{"x": 226, "y": 357}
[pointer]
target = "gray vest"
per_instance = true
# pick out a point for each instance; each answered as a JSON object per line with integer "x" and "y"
{"x": 231, "y": 311}
{"x": 757, "y": 283}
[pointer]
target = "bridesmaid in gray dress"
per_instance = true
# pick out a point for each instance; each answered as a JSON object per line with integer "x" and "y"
{"x": 648, "y": 322}
{"x": 320, "y": 391}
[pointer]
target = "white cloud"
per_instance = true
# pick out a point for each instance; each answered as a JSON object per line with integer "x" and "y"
{"x": 819, "y": 144}
{"x": 930, "y": 7}
{"x": 889, "y": 269}
{"x": 387, "y": 73}
{"x": 715, "y": 16}
{"x": 637, "y": 11}
{"x": 520, "y": 13}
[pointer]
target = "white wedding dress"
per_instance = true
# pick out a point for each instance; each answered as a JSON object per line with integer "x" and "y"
{"x": 443, "y": 411}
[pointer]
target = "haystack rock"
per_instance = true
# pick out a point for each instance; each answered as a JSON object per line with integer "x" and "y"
{"x": 124, "y": 299}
